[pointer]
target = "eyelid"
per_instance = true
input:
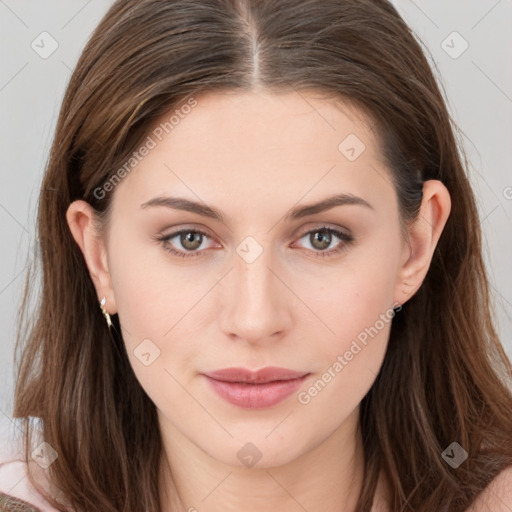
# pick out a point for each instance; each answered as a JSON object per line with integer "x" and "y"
{"x": 179, "y": 229}
{"x": 323, "y": 225}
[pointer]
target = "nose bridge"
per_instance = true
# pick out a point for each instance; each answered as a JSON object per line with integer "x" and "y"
{"x": 254, "y": 281}
{"x": 256, "y": 307}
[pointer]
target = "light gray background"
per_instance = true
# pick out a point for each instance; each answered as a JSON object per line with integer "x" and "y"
{"x": 478, "y": 84}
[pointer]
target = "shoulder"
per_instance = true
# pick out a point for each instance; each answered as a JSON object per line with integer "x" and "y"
{"x": 16, "y": 491}
{"x": 497, "y": 496}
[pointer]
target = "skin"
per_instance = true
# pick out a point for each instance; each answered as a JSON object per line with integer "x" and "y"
{"x": 253, "y": 156}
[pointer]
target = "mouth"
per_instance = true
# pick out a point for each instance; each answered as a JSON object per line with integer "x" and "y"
{"x": 255, "y": 389}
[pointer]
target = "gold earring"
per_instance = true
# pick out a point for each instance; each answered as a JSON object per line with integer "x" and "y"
{"x": 105, "y": 314}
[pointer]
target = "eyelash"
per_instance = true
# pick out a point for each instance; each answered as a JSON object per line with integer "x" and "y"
{"x": 347, "y": 239}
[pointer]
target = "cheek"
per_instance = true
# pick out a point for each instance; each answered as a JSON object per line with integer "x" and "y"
{"x": 152, "y": 306}
{"x": 155, "y": 308}
{"x": 351, "y": 296}
{"x": 337, "y": 390}
{"x": 348, "y": 361}
{"x": 151, "y": 292}
{"x": 356, "y": 305}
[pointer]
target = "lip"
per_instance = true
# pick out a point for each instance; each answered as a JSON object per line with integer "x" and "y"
{"x": 255, "y": 389}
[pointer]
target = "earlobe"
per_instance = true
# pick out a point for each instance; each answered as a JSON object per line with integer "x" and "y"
{"x": 80, "y": 219}
{"x": 424, "y": 234}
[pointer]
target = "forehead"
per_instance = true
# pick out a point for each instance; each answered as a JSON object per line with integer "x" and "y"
{"x": 259, "y": 146}
{"x": 264, "y": 120}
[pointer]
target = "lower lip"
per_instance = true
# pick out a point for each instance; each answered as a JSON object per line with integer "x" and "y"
{"x": 255, "y": 396}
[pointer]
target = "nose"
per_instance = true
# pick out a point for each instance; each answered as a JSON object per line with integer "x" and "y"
{"x": 257, "y": 301}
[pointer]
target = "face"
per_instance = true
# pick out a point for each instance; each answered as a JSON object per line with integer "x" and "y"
{"x": 261, "y": 281}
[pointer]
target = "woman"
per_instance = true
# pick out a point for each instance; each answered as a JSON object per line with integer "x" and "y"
{"x": 263, "y": 286}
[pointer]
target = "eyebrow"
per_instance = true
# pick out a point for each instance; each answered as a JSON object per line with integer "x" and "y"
{"x": 297, "y": 212}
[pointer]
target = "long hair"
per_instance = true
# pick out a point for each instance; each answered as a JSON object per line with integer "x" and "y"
{"x": 445, "y": 377}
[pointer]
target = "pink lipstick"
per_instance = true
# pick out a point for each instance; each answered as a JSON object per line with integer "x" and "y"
{"x": 255, "y": 389}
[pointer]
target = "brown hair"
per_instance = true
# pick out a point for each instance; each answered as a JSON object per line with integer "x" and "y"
{"x": 445, "y": 375}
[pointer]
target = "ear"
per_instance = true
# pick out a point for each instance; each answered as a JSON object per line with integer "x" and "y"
{"x": 423, "y": 235}
{"x": 81, "y": 221}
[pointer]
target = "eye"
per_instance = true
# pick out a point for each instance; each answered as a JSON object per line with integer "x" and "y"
{"x": 190, "y": 239}
{"x": 321, "y": 238}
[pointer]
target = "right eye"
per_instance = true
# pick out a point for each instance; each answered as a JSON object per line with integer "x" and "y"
{"x": 190, "y": 239}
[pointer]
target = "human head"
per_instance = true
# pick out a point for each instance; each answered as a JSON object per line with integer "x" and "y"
{"x": 357, "y": 52}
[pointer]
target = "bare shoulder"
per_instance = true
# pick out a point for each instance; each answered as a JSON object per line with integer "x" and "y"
{"x": 497, "y": 496}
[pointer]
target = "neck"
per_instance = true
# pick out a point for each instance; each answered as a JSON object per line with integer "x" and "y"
{"x": 328, "y": 477}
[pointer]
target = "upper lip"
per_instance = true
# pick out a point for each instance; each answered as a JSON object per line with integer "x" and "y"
{"x": 269, "y": 374}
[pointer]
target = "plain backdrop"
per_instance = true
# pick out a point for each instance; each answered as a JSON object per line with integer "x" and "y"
{"x": 469, "y": 41}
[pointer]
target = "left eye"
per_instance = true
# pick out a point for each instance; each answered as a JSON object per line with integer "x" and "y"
{"x": 192, "y": 239}
{"x": 321, "y": 238}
